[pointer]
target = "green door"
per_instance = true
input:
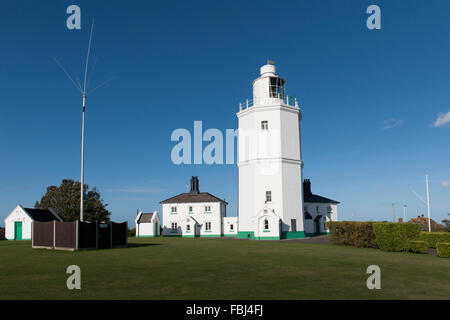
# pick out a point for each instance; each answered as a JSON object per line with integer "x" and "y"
{"x": 317, "y": 227}
{"x": 18, "y": 231}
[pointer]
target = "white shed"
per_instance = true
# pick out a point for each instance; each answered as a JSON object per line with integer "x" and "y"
{"x": 147, "y": 224}
{"x": 19, "y": 223}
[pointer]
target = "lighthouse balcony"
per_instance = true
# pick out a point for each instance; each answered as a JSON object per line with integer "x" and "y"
{"x": 287, "y": 100}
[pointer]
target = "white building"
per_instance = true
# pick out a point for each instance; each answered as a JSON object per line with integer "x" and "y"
{"x": 270, "y": 162}
{"x": 194, "y": 214}
{"x": 19, "y": 223}
{"x": 147, "y": 224}
{"x": 318, "y": 211}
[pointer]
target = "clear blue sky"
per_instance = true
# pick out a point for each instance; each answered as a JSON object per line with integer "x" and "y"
{"x": 369, "y": 98}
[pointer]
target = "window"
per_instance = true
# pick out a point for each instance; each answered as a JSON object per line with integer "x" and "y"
{"x": 317, "y": 209}
{"x": 190, "y": 209}
{"x": 268, "y": 196}
{"x": 174, "y": 227}
{"x": 329, "y": 209}
{"x": 188, "y": 227}
{"x": 265, "y": 125}
{"x": 266, "y": 224}
{"x": 231, "y": 227}
{"x": 207, "y": 208}
{"x": 173, "y": 210}
{"x": 207, "y": 226}
{"x": 276, "y": 89}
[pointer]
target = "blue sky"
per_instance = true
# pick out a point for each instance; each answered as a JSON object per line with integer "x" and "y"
{"x": 369, "y": 97}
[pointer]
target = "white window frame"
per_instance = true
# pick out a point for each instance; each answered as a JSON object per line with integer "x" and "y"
{"x": 266, "y": 224}
{"x": 208, "y": 226}
{"x": 208, "y": 208}
{"x": 174, "y": 224}
{"x": 172, "y": 210}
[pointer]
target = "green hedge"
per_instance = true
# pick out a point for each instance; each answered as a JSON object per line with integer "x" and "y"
{"x": 432, "y": 238}
{"x": 417, "y": 246}
{"x": 356, "y": 234}
{"x": 443, "y": 249}
{"x": 395, "y": 236}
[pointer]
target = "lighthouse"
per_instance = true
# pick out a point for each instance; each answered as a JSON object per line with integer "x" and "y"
{"x": 270, "y": 162}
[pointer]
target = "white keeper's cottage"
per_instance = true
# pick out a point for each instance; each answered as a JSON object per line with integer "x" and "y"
{"x": 19, "y": 223}
{"x": 196, "y": 214}
{"x": 318, "y": 211}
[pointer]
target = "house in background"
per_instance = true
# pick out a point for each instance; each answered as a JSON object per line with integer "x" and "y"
{"x": 19, "y": 223}
{"x": 194, "y": 214}
{"x": 318, "y": 211}
{"x": 147, "y": 224}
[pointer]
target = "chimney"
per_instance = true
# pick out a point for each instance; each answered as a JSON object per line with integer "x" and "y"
{"x": 400, "y": 220}
{"x": 194, "y": 186}
{"x": 307, "y": 187}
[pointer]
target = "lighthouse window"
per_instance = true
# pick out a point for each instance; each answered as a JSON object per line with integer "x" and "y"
{"x": 266, "y": 224}
{"x": 264, "y": 125}
{"x": 231, "y": 227}
{"x": 276, "y": 89}
{"x": 268, "y": 196}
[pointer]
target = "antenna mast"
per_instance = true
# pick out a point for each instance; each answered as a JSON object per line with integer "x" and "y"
{"x": 84, "y": 92}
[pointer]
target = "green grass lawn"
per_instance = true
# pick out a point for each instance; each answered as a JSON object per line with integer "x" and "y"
{"x": 175, "y": 268}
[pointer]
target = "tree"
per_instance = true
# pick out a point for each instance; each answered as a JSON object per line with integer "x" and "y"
{"x": 65, "y": 199}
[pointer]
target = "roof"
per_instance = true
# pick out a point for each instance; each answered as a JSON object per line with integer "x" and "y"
{"x": 307, "y": 215}
{"x": 146, "y": 217}
{"x": 423, "y": 221}
{"x": 41, "y": 215}
{"x": 189, "y": 197}
{"x": 318, "y": 199}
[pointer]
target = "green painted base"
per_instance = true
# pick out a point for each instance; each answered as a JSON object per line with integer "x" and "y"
{"x": 231, "y": 235}
{"x": 293, "y": 235}
{"x": 246, "y": 235}
{"x": 18, "y": 239}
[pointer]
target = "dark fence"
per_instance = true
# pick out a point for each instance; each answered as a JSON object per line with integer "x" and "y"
{"x": 79, "y": 235}
{"x": 87, "y": 235}
{"x": 66, "y": 235}
{"x": 119, "y": 234}
{"x": 43, "y": 234}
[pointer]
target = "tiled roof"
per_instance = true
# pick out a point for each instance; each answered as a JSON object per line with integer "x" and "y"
{"x": 317, "y": 199}
{"x": 41, "y": 215}
{"x": 189, "y": 197}
{"x": 145, "y": 218}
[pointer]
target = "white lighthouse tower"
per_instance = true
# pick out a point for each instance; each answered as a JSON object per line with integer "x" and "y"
{"x": 270, "y": 162}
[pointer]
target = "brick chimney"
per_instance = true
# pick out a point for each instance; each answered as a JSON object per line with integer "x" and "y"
{"x": 307, "y": 187}
{"x": 194, "y": 186}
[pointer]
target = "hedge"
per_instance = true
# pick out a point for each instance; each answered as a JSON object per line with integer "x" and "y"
{"x": 356, "y": 234}
{"x": 417, "y": 246}
{"x": 443, "y": 249}
{"x": 395, "y": 236}
{"x": 434, "y": 237}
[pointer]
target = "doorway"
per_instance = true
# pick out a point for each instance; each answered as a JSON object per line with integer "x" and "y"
{"x": 18, "y": 230}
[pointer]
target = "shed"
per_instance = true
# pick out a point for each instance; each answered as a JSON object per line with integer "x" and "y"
{"x": 147, "y": 224}
{"x": 19, "y": 223}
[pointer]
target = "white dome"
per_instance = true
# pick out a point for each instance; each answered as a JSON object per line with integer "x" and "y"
{"x": 268, "y": 68}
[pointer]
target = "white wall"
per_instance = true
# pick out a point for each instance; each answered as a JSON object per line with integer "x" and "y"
{"x": 226, "y": 226}
{"x": 20, "y": 216}
{"x": 198, "y": 213}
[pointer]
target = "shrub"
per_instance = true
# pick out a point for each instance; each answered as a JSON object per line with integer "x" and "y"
{"x": 443, "y": 249}
{"x": 417, "y": 246}
{"x": 432, "y": 238}
{"x": 132, "y": 232}
{"x": 395, "y": 236}
{"x": 356, "y": 234}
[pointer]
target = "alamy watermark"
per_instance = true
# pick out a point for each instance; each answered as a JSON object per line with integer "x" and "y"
{"x": 212, "y": 146}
